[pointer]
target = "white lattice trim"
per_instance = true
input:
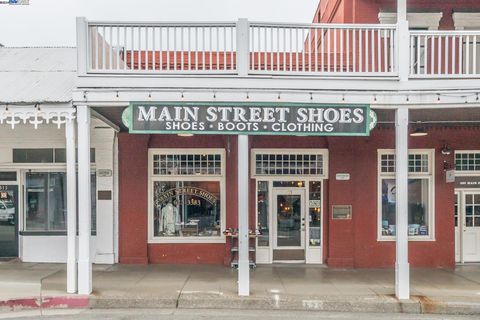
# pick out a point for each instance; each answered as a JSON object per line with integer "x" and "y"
{"x": 36, "y": 116}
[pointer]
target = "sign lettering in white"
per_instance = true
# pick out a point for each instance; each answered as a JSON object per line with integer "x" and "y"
{"x": 249, "y": 118}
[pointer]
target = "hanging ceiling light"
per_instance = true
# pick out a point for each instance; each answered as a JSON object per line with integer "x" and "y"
{"x": 419, "y": 132}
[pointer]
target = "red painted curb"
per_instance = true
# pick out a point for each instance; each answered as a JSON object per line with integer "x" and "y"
{"x": 64, "y": 302}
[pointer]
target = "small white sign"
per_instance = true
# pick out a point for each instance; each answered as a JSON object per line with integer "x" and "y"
{"x": 342, "y": 176}
{"x": 104, "y": 173}
{"x": 315, "y": 203}
{"x": 450, "y": 176}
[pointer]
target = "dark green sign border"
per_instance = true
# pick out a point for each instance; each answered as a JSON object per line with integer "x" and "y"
{"x": 370, "y": 118}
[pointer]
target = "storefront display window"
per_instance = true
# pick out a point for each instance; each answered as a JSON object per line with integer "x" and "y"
{"x": 186, "y": 208}
{"x": 420, "y": 194}
{"x": 46, "y": 201}
{"x": 418, "y": 200}
{"x": 315, "y": 212}
{"x": 262, "y": 211}
{"x": 186, "y": 195}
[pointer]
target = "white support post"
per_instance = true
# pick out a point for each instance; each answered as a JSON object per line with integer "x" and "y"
{"x": 243, "y": 47}
{"x": 71, "y": 208}
{"x": 402, "y": 268}
{"x": 403, "y": 41}
{"x": 82, "y": 46}
{"x": 84, "y": 201}
{"x": 243, "y": 239}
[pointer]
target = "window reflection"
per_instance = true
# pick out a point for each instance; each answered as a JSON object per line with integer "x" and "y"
{"x": 186, "y": 208}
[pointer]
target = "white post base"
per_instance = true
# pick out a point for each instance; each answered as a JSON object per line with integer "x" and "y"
{"x": 72, "y": 276}
{"x": 402, "y": 281}
{"x": 84, "y": 277}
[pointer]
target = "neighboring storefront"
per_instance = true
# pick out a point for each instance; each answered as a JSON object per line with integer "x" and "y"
{"x": 33, "y": 161}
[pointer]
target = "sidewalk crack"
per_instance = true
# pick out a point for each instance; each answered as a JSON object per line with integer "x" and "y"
{"x": 181, "y": 289}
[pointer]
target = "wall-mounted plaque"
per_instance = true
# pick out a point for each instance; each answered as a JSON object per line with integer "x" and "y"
{"x": 342, "y": 176}
{"x": 341, "y": 212}
{"x": 104, "y": 173}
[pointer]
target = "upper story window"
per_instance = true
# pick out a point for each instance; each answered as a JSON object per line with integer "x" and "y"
{"x": 420, "y": 194}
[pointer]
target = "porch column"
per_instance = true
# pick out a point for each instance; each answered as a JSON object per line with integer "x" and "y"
{"x": 402, "y": 268}
{"x": 243, "y": 239}
{"x": 71, "y": 208}
{"x": 403, "y": 42}
{"x": 84, "y": 201}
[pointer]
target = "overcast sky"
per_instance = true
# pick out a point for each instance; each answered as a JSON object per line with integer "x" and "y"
{"x": 52, "y": 22}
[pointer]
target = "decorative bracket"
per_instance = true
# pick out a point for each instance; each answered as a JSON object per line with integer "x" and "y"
{"x": 36, "y": 116}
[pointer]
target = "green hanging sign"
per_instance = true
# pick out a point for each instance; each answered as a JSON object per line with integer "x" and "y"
{"x": 306, "y": 119}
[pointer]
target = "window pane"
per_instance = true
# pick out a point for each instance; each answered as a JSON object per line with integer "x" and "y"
{"x": 418, "y": 199}
{"x": 33, "y": 155}
{"x": 46, "y": 201}
{"x": 315, "y": 212}
{"x": 289, "y": 164}
{"x": 187, "y": 164}
{"x": 186, "y": 208}
{"x": 262, "y": 211}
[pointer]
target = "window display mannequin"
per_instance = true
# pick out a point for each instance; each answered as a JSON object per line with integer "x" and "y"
{"x": 169, "y": 217}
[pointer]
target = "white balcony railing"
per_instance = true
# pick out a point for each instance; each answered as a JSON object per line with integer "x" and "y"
{"x": 242, "y": 48}
{"x": 161, "y": 47}
{"x": 330, "y": 49}
{"x": 445, "y": 54}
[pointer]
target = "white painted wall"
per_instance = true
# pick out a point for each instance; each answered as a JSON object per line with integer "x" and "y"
{"x": 49, "y": 248}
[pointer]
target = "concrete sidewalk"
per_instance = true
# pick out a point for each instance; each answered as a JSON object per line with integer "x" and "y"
{"x": 289, "y": 287}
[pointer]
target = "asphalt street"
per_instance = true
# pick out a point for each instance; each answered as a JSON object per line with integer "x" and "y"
{"x": 191, "y": 314}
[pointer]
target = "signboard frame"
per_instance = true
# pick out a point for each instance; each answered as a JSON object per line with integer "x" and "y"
{"x": 127, "y": 117}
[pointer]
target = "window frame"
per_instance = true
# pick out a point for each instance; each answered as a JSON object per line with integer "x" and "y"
{"x": 167, "y": 178}
{"x": 52, "y": 168}
{"x": 429, "y": 176}
{"x": 463, "y": 173}
{"x": 284, "y": 177}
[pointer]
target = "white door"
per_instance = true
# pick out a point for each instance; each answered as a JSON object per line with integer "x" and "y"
{"x": 467, "y": 235}
{"x": 289, "y": 224}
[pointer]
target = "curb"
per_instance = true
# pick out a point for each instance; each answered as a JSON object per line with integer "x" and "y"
{"x": 378, "y": 304}
{"x": 65, "y": 302}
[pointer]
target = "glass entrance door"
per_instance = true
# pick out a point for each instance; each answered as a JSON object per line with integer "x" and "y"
{"x": 289, "y": 224}
{"x": 8, "y": 220}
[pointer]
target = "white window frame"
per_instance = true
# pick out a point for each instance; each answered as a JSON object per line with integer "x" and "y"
{"x": 466, "y": 20}
{"x": 428, "y": 20}
{"x": 322, "y": 152}
{"x": 430, "y": 176}
{"x": 463, "y": 173}
{"x": 307, "y": 179}
{"x": 220, "y": 178}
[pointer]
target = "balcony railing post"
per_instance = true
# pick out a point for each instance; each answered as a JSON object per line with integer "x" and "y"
{"x": 243, "y": 47}
{"x": 82, "y": 46}
{"x": 403, "y": 50}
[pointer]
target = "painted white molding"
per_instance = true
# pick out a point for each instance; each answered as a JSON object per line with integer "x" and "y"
{"x": 13, "y": 115}
{"x": 466, "y": 20}
{"x": 430, "y": 20}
